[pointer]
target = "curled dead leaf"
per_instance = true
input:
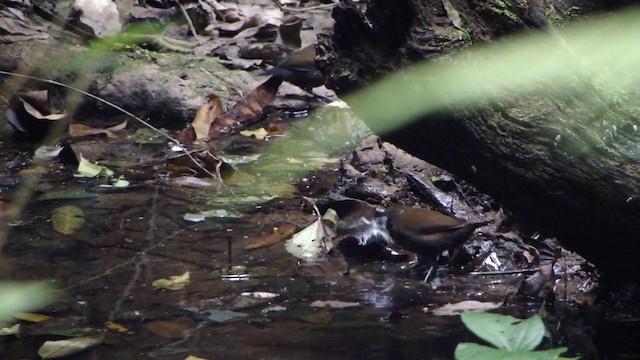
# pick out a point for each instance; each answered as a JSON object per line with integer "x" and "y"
{"x": 251, "y": 107}
{"x": 281, "y": 232}
{"x": 205, "y": 116}
{"x": 183, "y": 164}
{"x": 78, "y": 130}
{"x": 31, "y": 116}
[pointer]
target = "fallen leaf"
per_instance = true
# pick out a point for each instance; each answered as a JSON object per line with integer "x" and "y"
{"x": 60, "y": 348}
{"x": 275, "y": 308}
{"x": 40, "y": 116}
{"x": 465, "y": 306}
{"x": 13, "y": 330}
{"x": 120, "y": 182}
{"x": 177, "y": 282}
{"x": 334, "y": 304}
{"x": 319, "y": 317}
{"x": 274, "y": 130}
{"x": 67, "y": 219}
{"x": 18, "y": 29}
{"x": 222, "y": 316}
{"x": 191, "y": 357}
{"x": 314, "y": 240}
{"x": 183, "y": 163}
{"x": 214, "y": 213}
{"x": 261, "y": 294}
{"x": 89, "y": 169}
{"x": 205, "y": 116}
{"x": 259, "y": 134}
{"x": 280, "y": 233}
{"x": 30, "y": 114}
{"x": 47, "y": 152}
{"x": 78, "y": 130}
{"x": 32, "y": 317}
{"x": 116, "y": 327}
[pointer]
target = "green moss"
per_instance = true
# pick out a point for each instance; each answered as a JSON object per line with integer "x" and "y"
{"x": 503, "y": 9}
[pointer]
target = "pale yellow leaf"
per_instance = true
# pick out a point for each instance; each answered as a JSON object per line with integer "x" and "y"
{"x": 60, "y": 348}
{"x": 177, "y": 282}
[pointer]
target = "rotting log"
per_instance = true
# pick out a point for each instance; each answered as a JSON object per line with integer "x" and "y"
{"x": 577, "y": 179}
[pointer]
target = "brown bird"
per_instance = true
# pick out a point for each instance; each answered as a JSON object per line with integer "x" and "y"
{"x": 299, "y": 69}
{"x": 426, "y": 232}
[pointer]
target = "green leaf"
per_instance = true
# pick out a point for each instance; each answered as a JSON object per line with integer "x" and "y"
{"x": 469, "y": 351}
{"x": 89, "y": 169}
{"x": 506, "y": 332}
{"x": 67, "y": 219}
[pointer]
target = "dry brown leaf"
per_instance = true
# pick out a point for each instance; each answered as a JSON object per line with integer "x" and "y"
{"x": 30, "y": 114}
{"x": 186, "y": 136}
{"x": 78, "y": 130}
{"x": 245, "y": 112}
{"x": 274, "y": 130}
{"x": 183, "y": 164}
{"x": 282, "y": 232}
{"x": 224, "y": 124}
{"x": 205, "y": 116}
{"x": 253, "y": 104}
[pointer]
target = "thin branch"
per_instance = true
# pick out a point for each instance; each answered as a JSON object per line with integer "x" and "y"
{"x": 189, "y": 22}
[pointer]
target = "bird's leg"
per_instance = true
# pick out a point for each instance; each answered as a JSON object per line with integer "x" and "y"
{"x": 426, "y": 278}
{"x": 432, "y": 268}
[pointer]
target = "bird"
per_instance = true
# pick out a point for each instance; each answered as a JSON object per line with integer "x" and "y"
{"x": 427, "y": 232}
{"x": 299, "y": 68}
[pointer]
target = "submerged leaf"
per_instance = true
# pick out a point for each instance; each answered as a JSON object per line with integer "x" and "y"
{"x": 67, "y": 219}
{"x": 280, "y": 233}
{"x": 334, "y": 304}
{"x": 117, "y": 327}
{"x": 60, "y": 348}
{"x": 32, "y": 317}
{"x": 221, "y": 316}
{"x": 177, "y": 282}
{"x": 214, "y": 213}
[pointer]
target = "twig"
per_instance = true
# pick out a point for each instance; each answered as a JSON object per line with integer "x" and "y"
{"x": 189, "y": 22}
